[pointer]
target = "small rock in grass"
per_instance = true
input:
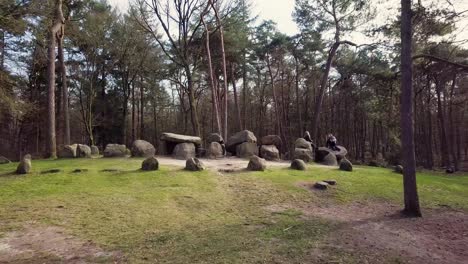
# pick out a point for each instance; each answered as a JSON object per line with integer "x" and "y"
{"x": 330, "y": 182}
{"x": 321, "y": 185}
{"x": 256, "y": 164}
{"x": 24, "y": 167}
{"x": 79, "y": 170}
{"x": 298, "y": 164}
{"x": 194, "y": 164}
{"x": 150, "y": 164}
{"x": 346, "y": 165}
{"x": 399, "y": 169}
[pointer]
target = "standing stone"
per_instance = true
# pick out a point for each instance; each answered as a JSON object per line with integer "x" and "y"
{"x": 83, "y": 151}
{"x": 302, "y": 144}
{"x": 24, "y": 167}
{"x": 150, "y": 164}
{"x": 184, "y": 151}
{"x": 269, "y": 152}
{"x": 246, "y": 150}
{"x": 68, "y": 151}
{"x": 115, "y": 150}
{"x": 256, "y": 164}
{"x": 194, "y": 164}
{"x": 142, "y": 148}
{"x": 215, "y": 151}
{"x": 298, "y": 164}
{"x": 94, "y": 150}
{"x": 346, "y": 165}
{"x": 304, "y": 154}
{"x": 4, "y": 160}
{"x": 239, "y": 138}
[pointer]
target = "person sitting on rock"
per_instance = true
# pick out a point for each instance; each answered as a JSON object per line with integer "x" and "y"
{"x": 308, "y": 138}
{"x": 331, "y": 142}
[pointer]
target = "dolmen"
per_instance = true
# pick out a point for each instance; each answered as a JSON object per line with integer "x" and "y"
{"x": 303, "y": 150}
{"x": 243, "y": 144}
{"x": 74, "y": 151}
{"x": 180, "y": 146}
{"x": 330, "y": 157}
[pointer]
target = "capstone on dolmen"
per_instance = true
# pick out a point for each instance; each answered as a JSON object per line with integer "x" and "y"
{"x": 180, "y": 146}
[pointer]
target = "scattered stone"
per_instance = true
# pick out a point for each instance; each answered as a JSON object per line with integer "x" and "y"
{"x": 239, "y": 138}
{"x": 184, "y": 151}
{"x": 307, "y": 155}
{"x": 272, "y": 140}
{"x": 247, "y": 150}
{"x": 215, "y": 151}
{"x": 83, "y": 151}
{"x": 51, "y": 171}
{"x": 215, "y": 137}
{"x": 115, "y": 150}
{"x": 330, "y": 160}
{"x": 302, "y": 144}
{"x": 321, "y": 185}
{"x": 269, "y": 152}
{"x": 194, "y": 164}
{"x": 142, "y": 148}
{"x": 94, "y": 150}
{"x": 256, "y": 164}
{"x": 24, "y": 167}
{"x": 298, "y": 164}
{"x": 4, "y": 160}
{"x": 398, "y": 169}
{"x": 150, "y": 164}
{"x": 322, "y": 152}
{"x": 303, "y": 154}
{"x": 330, "y": 182}
{"x": 346, "y": 165}
{"x": 68, "y": 151}
{"x": 450, "y": 170}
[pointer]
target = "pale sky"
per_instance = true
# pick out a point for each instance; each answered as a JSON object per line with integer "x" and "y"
{"x": 281, "y": 11}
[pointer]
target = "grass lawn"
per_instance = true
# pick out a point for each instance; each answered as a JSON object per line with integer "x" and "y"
{"x": 199, "y": 217}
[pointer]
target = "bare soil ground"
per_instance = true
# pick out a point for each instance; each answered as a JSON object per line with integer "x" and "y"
{"x": 376, "y": 232}
{"x": 47, "y": 244}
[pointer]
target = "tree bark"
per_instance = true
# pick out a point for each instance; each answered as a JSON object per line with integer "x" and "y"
{"x": 63, "y": 72}
{"x": 411, "y": 198}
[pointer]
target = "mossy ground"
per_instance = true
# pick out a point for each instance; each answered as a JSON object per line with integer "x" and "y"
{"x": 176, "y": 216}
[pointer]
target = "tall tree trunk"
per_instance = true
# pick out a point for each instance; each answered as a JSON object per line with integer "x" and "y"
{"x": 236, "y": 101}
{"x": 298, "y": 100}
{"x": 142, "y": 108}
{"x": 63, "y": 72}
{"x": 442, "y": 125}
{"x": 214, "y": 94}
{"x": 407, "y": 138}
{"x": 133, "y": 113}
{"x": 193, "y": 105}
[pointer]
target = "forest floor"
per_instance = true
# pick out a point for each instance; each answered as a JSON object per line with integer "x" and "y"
{"x": 111, "y": 212}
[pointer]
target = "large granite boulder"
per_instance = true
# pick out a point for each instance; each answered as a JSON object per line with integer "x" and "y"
{"x": 194, "y": 164}
{"x": 215, "y": 151}
{"x": 298, "y": 164}
{"x": 302, "y": 144}
{"x": 68, "y": 151}
{"x": 303, "y": 154}
{"x": 215, "y": 137}
{"x": 246, "y": 150}
{"x": 150, "y": 164}
{"x": 83, "y": 151}
{"x": 94, "y": 150}
{"x": 330, "y": 160}
{"x": 239, "y": 138}
{"x": 256, "y": 164}
{"x": 142, "y": 148}
{"x": 272, "y": 140}
{"x": 346, "y": 165}
{"x": 184, "y": 151}
{"x": 24, "y": 167}
{"x": 269, "y": 152}
{"x": 322, "y": 152}
{"x": 4, "y": 160}
{"x": 115, "y": 150}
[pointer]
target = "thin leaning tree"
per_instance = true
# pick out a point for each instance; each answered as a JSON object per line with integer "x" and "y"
{"x": 411, "y": 198}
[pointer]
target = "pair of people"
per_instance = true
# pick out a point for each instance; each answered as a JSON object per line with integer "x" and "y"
{"x": 331, "y": 141}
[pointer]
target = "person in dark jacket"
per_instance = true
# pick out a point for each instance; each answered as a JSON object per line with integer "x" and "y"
{"x": 331, "y": 142}
{"x": 308, "y": 138}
